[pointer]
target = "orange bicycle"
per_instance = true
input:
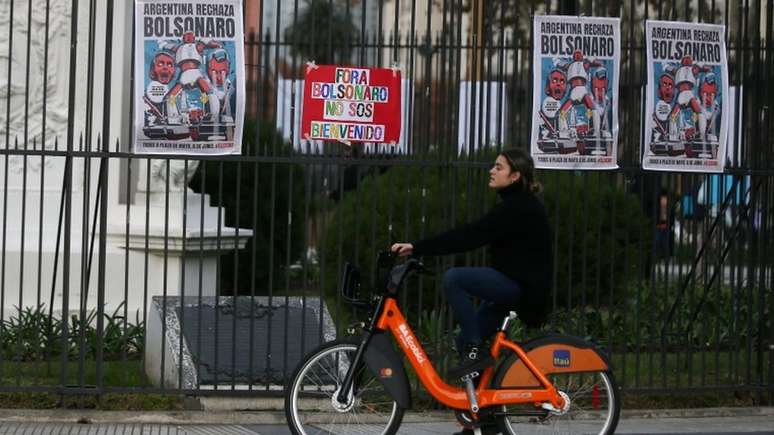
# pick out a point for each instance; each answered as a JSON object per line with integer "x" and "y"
{"x": 552, "y": 384}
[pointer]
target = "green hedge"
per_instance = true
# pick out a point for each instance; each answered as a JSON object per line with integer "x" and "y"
{"x": 401, "y": 203}
{"x": 598, "y": 245}
{"x": 636, "y": 322}
{"x": 601, "y": 236}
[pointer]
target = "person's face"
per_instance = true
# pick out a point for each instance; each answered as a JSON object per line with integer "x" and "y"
{"x": 666, "y": 88}
{"x": 164, "y": 68}
{"x": 557, "y": 85}
{"x": 501, "y": 175}
{"x": 218, "y": 71}
{"x": 599, "y": 86}
{"x": 707, "y": 94}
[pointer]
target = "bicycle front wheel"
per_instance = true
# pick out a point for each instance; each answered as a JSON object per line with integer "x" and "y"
{"x": 594, "y": 408}
{"x": 311, "y": 400}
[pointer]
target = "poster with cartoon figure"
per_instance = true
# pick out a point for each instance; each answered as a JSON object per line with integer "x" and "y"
{"x": 189, "y": 77}
{"x": 575, "y": 92}
{"x": 686, "y": 114}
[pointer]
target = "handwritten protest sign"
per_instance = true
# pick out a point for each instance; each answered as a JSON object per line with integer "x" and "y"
{"x": 349, "y": 104}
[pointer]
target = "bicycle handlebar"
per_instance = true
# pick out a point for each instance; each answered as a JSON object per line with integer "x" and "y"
{"x": 387, "y": 274}
{"x": 399, "y": 273}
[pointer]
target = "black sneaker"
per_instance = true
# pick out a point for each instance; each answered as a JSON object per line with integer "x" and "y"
{"x": 473, "y": 362}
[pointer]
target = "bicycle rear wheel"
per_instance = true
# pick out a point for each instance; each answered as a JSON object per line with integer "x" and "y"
{"x": 594, "y": 408}
{"x": 311, "y": 404}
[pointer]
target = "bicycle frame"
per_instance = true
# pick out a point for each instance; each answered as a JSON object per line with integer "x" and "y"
{"x": 389, "y": 317}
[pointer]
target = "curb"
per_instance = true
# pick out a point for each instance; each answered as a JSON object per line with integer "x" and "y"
{"x": 276, "y": 417}
{"x": 758, "y": 411}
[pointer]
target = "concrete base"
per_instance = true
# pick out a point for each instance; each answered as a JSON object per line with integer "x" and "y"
{"x": 179, "y": 351}
{"x": 223, "y": 404}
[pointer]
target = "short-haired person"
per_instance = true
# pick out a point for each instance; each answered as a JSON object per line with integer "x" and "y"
{"x": 518, "y": 236}
{"x": 218, "y": 68}
{"x": 556, "y": 86}
{"x": 162, "y": 69}
{"x": 663, "y": 109}
{"x": 708, "y": 93}
{"x": 161, "y": 72}
{"x": 599, "y": 118}
{"x": 555, "y": 90}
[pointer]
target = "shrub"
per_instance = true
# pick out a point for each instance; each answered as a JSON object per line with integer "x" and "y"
{"x": 599, "y": 228}
{"x": 600, "y": 236}
{"x": 32, "y": 335}
{"x": 280, "y": 192}
{"x": 402, "y": 203}
{"x": 640, "y": 321}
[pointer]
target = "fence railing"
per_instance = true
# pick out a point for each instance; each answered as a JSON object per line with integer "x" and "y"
{"x": 213, "y": 275}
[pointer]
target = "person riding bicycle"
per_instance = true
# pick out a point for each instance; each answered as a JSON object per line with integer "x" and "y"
{"x": 517, "y": 232}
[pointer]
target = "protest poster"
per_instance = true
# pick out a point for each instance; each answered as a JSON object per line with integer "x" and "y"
{"x": 575, "y": 92}
{"x": 189, "y": 92}
{"x": 350, "y": 104}
{"x": 686, "y": 115}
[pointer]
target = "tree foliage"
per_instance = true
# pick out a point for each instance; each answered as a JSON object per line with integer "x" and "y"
{"x": 323, "y": 33}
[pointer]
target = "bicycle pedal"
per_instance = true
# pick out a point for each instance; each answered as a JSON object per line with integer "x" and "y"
{"x": 476, "y": 369}
{"x": 470, "y": 376}
{"x": 355, "y": 328}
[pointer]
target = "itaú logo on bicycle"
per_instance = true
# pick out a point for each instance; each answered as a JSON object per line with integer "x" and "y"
{"x": 408, "y": 341}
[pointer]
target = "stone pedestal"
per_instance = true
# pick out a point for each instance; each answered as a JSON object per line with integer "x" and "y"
{"x": 181, "y": 238}
{"x": 209, "y": 341}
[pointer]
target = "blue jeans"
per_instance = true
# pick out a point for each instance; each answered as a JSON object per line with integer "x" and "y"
{"x": 498, "y": 293}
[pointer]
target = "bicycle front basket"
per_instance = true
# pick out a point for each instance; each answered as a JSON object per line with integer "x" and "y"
{"x": 350, "y": 285}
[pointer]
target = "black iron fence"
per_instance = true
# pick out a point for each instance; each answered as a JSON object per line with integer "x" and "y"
{"x": 115, "y": 277}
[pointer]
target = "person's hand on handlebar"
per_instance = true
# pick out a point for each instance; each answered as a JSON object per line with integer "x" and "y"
{"x": 402, "y": 249}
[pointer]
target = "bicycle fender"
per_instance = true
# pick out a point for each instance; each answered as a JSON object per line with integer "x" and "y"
{"x": 386, "y": 365}
{"x": 555, "y": 353}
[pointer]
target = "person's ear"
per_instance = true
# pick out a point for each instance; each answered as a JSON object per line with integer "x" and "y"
{"x": 515, "y": 176}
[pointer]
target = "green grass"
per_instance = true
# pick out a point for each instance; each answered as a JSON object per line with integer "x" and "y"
{"x": 678, "y": 370}
{"x": 40, "y": 374}
{"x": 115, "y": 374}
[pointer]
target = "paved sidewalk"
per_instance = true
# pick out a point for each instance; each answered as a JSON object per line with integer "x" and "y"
{"x": 721, "y": 426}
{"x": 717, "y": 421}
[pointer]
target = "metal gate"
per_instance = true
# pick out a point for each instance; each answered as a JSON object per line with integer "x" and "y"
{"x": 117, "y": 277}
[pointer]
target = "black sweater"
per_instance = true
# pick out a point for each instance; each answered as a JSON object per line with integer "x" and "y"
{"x": 517, "y": 232}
